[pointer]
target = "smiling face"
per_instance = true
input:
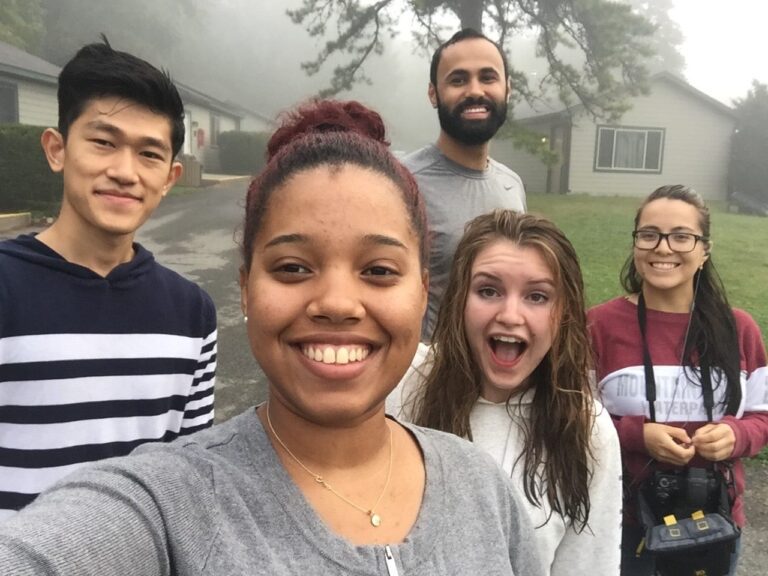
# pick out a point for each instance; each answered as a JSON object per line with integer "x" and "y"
{"x": 509, "y": 316}
{"x": 117, "y": 165}
{"x": 335, "y": 293}
{"x": 667, "y": 275}
{"x": 471, "y": 91}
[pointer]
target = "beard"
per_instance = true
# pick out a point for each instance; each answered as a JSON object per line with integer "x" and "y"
{"x": 472, "y": 132}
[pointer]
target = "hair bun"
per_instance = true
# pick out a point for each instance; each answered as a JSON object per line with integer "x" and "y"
{"x": 319, "y": 116}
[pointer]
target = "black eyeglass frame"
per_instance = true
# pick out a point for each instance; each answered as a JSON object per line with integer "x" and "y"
{"x": 665, "y": 236}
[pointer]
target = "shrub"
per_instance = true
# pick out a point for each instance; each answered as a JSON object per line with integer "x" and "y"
{"x": 242, "y": 152}
{"x": 26, "y": 181}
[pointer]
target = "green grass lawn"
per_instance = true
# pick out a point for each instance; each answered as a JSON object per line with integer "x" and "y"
{"x": 600, "y": 228}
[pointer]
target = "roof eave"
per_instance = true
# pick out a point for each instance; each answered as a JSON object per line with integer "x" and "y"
{"x": 9, "y": 70}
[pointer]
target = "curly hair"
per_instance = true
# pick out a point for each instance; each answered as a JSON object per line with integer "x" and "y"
{"x": 329, "y": 133}
{"x": 712, "y": 333}
{"x": 557, "y": 437}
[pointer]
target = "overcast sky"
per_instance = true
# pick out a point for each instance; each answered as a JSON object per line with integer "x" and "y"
{"x": 726, "y": 45}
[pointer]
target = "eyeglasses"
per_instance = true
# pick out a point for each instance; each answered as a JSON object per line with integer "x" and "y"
{"x": 680, "y": 242}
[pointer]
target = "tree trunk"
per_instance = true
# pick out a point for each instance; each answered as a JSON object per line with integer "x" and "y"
{"x": 469, "y": 12}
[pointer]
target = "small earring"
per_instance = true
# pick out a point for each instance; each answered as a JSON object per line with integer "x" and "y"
{"x": 245, "y": 319}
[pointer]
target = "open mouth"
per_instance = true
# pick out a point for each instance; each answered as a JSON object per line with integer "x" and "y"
{"x": 507, "y": 349}
{"x": 328, "y": 354}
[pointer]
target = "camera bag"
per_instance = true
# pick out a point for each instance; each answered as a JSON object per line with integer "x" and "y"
{"x": 699, "y": 544}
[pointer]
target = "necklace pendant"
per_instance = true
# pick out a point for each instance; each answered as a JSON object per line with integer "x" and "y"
{"x": 375, "y": 520}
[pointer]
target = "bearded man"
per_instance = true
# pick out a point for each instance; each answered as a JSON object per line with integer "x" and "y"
{"x": 470, "y": 87}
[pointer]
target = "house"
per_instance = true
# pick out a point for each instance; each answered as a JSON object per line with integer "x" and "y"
{"x": 205, "y": 117}
{"x": 27, "y": 88}
{"x": 28, "y": 96}
{"x": 674, "y": 135}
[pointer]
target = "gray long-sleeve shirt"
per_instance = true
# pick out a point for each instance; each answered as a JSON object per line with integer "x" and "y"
{"x": 220, "y": 503}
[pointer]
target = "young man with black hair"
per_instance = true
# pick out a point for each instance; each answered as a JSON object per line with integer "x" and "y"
{"x": 101, "y": 348}
{"x": 470, "y": 87}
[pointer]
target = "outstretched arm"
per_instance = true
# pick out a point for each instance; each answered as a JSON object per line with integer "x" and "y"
{"x": 96, "y": 523}
{"x": 112, "y": 519}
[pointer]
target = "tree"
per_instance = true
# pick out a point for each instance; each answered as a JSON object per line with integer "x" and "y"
{"x": 611, "y": 40}
{"x": 21, "y": 23}
{"x": 142, "y": 27}
{"x": 666, "y": 38}
{"x": 749, "y": 170}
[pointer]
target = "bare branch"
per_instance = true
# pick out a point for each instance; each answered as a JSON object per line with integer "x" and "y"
{"x": 595, "y": 48}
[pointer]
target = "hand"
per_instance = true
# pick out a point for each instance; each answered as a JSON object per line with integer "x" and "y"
{"x": 714, "y": 441}
{"x": 668, "y": 444}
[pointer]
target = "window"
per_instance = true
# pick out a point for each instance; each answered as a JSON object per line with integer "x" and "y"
{"x": 9, "y": 103}
{"x": 629, "y": 149}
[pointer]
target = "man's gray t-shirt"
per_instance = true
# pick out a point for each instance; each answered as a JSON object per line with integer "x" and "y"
{"x": 454, "y": 195}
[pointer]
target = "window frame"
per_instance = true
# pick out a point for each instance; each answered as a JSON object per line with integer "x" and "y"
{"x": 635, "y": 129}
{"x": 15, "y": 104}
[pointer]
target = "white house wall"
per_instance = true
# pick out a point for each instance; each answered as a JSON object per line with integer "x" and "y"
{"x": 200, "y": 119}
{"x": 696, "y": 149}
{"x": 251, "y": 123}
{"x": 227, "y": 123}
{"x": 37, "y": 103}
{"x": 528, "y": 166}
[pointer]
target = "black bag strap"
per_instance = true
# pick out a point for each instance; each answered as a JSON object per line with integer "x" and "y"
{"x": 650, "y": 381}
{"x": 706, "y": 387}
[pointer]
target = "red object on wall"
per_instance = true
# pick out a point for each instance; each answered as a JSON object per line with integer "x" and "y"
{"x": 200, "y": 138}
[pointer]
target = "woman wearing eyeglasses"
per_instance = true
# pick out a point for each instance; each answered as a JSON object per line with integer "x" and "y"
{"x": 681, "y": 372}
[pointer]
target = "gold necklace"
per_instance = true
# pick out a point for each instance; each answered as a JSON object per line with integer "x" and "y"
{"x": 374, "y": 516}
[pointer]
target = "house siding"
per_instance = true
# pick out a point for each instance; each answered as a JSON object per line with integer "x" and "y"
{"x": 37, "y": 104}
{"x": 528, "y": 166}
{"x": 696, "y": 147}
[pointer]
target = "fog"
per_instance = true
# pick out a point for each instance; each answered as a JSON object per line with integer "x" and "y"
{"x": 725, "y": 45}
{"x": 250, "y": 53}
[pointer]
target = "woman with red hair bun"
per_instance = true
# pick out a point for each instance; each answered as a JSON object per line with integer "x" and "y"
{"x": 317, "y": 479}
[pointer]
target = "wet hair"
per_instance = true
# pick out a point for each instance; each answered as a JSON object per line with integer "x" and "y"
{"x": 329, "y": 133}
{"x": 712, "y": 332}
{"x": 97, "y": 71}
{"x": 461, "y": 35}
{"x": 557, "y": 435}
